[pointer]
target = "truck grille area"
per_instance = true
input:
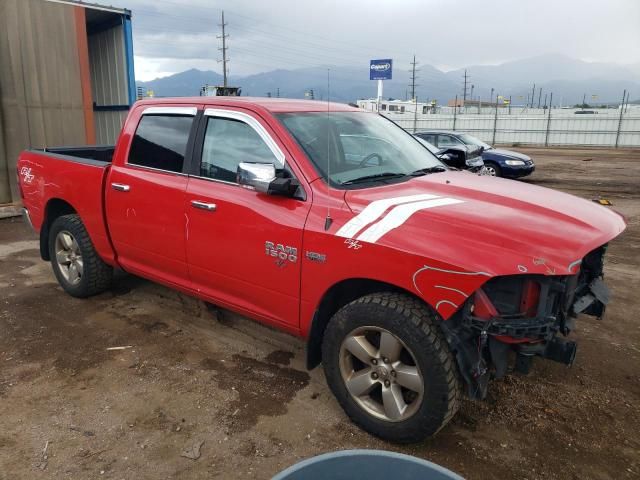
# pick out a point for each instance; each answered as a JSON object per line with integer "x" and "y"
{"x": 537, "y": 307}
{"x": 525, "y": 314}
{"x": 515, "y": 317}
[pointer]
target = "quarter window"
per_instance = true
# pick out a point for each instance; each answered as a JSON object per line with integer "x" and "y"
{"x": 227, "y": 142}
{"x": 160, "y": 142}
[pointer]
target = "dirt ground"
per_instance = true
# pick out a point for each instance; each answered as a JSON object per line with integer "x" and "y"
{"x": 70, "y": 408}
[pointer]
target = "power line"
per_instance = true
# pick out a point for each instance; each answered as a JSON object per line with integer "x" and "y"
{"x": 413, "y": 83}
{"x": 279, "y": 27}
{"x": 225, "y": 68}
{"x": 285, "y": 33}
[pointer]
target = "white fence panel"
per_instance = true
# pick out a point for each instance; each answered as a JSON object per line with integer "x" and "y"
{"x": 560, "y": 128}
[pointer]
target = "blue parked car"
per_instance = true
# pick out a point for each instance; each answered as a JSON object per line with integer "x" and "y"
{"x": 497, "y": 162}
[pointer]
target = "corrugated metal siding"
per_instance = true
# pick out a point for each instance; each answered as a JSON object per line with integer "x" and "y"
{"x": 40, "y": 91}
{"x": 108, "y": 126}
{"x": 108, "y": 65}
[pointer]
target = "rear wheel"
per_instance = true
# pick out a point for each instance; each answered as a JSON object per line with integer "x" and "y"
{"x": 76, "y": 265}
{"x": 389, "y": 367}
{"x": 492, "y": 169}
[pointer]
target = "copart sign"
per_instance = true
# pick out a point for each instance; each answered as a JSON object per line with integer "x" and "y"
{"x": 380, "y": 69}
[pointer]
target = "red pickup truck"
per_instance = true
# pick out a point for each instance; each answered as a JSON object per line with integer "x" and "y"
{"x": 411, "y": 281}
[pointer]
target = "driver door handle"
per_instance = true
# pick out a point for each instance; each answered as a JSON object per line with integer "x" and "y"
{"x": 211, "y": 207}
{"x": 121, "y": 187}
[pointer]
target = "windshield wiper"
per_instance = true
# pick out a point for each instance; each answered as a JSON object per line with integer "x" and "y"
{"x": 375, "y": 176}
{"x": 425, "y": 171}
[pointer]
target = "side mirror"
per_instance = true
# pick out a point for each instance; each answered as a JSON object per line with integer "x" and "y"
{"x": 256, "y": 176}
{"x": 453, "y": 157}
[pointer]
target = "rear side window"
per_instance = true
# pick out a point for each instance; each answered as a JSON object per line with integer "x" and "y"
{"x": 161, "y": 142}
{"x": 428, "y": 137}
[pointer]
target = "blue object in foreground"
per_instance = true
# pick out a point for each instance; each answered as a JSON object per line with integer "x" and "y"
{"x": 365, "y": 465}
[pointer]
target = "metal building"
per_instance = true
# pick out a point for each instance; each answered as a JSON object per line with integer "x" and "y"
{"x": 66, "y": 78}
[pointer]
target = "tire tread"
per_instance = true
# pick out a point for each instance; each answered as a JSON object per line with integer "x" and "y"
{"x": 98, "y": 274}
{"x": 421, "y": 317}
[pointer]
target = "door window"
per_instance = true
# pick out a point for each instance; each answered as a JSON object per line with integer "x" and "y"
{"x": 448, "y": 141}
{"x": 160, "y": 142}
{"x": 227, "y": 142}
{"x": 429, "y": 137}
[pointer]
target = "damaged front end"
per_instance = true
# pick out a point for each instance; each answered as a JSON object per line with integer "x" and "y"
{"x": 523, "y": 314}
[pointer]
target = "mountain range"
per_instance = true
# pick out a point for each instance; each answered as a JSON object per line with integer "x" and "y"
{"x": 569, "y": 79}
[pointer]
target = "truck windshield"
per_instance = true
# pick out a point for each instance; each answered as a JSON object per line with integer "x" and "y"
{"x": 358, "y": 147}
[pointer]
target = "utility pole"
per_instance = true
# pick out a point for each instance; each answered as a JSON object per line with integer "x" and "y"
{"x": 495, "y": 121}
{"x": 224, "y": 50}
{"x": 533, "y": 94}
{"x": 624, "y": 93}
{"x": 464, "y": 90}
{"x": 491, "y": 96}
{"x": 546, "y": 135}
{"x": 413, "y": 84}
{"x": 584, "y": 99}
{"x": 626, "y": 105}
{"x": 455, "y": 109}
{"x": 539, "y": 96}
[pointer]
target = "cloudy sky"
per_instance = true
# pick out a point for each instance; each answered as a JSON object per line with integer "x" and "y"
{"x": 171, "y": 35}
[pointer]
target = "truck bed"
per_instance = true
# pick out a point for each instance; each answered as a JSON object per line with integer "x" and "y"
{"x": 71, "y": 179}
{"x": 99, "y": 153}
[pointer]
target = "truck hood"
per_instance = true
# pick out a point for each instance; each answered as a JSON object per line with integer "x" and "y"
{"x": 482, "y": 224}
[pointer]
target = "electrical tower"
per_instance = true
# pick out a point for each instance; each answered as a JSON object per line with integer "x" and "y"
{"x": 225, "y": 68}
{"x": 464, "y": 88}
{"x": 413, "y": 77}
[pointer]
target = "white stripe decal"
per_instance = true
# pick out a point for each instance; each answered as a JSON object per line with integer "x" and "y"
{"x": 374, "y": 210}
{"x": 399, "y": 215}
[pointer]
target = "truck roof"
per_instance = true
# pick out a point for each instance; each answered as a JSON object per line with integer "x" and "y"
{"x": 274, "y": 105}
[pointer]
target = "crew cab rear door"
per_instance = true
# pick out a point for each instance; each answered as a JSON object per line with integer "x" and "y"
{"x": 243, "y": 247}
{"x": 145, "y": 193}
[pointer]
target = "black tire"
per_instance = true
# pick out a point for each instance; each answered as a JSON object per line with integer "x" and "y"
{"x": 96, "y": 275}
{"x": 413, "y": 323}
{"x": 496, "y": 168}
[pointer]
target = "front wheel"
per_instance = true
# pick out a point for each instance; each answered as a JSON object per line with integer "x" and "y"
{"x": 76, "y": 264}
{"x": 390, "y": 368}
{"x": 492, "y": 169}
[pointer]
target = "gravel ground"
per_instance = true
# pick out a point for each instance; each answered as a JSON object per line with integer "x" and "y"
{"x": 200, "y": 381}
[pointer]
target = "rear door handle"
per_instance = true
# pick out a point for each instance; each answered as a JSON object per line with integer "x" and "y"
{"x": 203, "y": 205}
{"x": 121, "y": 187}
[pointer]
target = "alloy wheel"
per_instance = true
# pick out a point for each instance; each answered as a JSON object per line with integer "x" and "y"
{"x": 69, "y": 257}
{"x": 381, "y": 374}
{"x": 489, "y": 170}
